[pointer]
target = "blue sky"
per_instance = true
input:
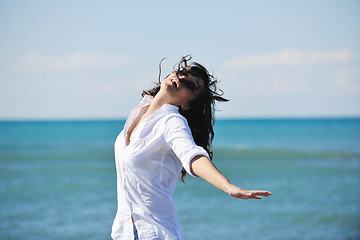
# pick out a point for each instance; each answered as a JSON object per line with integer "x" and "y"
{"x": 92, "y": 59}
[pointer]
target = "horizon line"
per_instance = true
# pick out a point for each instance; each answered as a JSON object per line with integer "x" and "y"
{"x": 88, "y": 119}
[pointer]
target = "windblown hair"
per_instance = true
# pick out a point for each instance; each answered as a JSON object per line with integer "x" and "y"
{"x": 200, "y": 116}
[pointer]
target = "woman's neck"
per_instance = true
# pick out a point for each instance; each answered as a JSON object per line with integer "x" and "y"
{"x": 155, "y": 104}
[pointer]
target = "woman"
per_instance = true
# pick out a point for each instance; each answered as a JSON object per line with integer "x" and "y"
{"x": 168, "y": 134}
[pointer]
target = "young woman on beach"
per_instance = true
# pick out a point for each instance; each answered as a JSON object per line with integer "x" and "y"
{"x": 166, "y": 136}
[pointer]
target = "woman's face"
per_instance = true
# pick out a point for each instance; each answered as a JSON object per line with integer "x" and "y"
{"x": 181, "y": 89}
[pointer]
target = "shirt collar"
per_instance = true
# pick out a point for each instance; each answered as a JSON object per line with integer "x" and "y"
{"x": 170, "y": 108}
{"x": 147, "y": 99}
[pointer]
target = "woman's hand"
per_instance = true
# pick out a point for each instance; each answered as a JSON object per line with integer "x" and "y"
{"x": 202, "y": 167}
{"x": 235, "y": 191}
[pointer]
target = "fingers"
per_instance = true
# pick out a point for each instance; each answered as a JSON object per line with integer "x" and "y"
{"x": 262, "y": 193}
{"x": 255, "y": 194}
{"x": 247, "y": 194}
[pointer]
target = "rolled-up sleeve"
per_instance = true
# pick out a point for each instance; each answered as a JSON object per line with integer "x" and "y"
{"x": 177, "y": 134}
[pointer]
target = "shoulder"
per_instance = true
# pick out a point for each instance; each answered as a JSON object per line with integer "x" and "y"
{"x": 175, "y": 122}
{"x": 175, "y": 119}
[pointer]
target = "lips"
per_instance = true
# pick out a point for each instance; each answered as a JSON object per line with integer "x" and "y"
{"x": 176, "y": 82}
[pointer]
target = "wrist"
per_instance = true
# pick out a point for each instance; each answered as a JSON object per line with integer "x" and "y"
{"x": 227, "y": 187}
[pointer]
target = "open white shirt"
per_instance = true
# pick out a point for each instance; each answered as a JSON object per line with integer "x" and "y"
{"x": 147, "y": 172}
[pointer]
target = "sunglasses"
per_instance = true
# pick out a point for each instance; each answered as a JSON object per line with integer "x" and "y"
{"x": 188, "y": 84}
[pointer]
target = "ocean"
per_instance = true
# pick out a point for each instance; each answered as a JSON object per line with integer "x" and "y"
{"x": 58, "y": 181}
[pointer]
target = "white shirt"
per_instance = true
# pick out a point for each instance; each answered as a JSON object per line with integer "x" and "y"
{"x": 147, "y": 171}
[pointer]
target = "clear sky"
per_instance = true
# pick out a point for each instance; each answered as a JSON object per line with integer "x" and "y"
{"x": 92, "y": 59}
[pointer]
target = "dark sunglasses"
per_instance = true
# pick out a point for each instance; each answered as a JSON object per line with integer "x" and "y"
{"x": 188, "y": 84}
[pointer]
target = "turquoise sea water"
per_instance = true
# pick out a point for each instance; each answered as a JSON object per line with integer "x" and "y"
{"x": 57, "y": 181}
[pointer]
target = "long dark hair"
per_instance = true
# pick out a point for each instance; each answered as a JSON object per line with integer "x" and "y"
{"x": 200, "y": 116}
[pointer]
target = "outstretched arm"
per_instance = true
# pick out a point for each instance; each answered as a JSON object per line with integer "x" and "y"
{"x": 203, "y": 167}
